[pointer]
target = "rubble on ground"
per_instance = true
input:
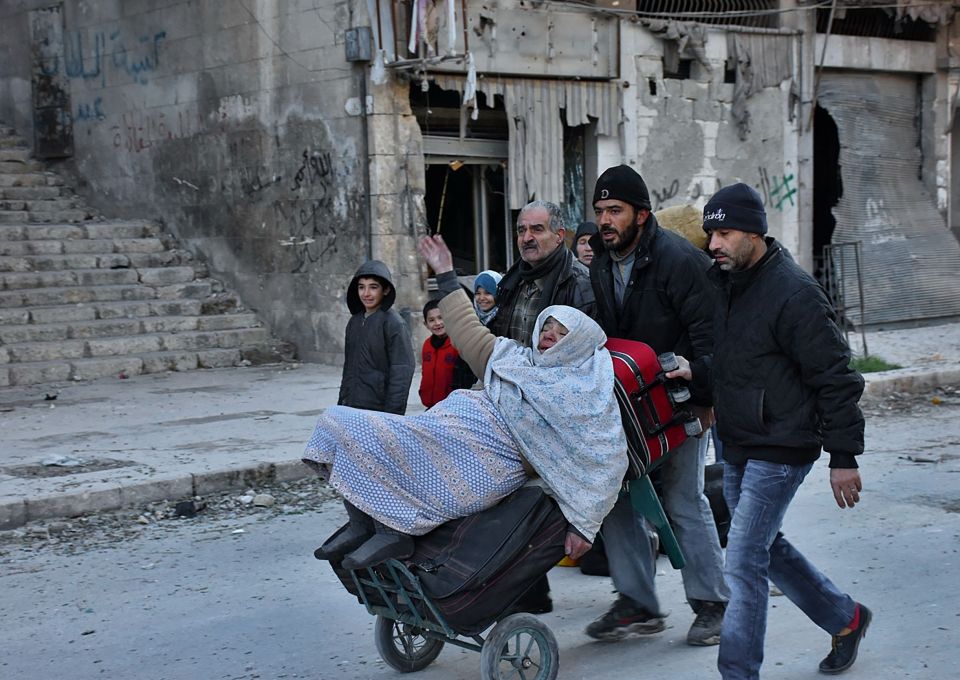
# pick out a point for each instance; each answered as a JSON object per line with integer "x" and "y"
{"x": 226, "y": 508}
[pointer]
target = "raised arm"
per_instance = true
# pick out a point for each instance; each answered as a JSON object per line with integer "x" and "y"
{"x": 471, "y": 338}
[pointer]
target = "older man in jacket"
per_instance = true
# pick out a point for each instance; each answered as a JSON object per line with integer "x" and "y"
{"x": 783, "y": 390}
{"x": 546, "y": 274}
{"x": 651, "y": 285}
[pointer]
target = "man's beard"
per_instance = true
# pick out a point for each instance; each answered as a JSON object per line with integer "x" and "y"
{"x": 624, "y": 240}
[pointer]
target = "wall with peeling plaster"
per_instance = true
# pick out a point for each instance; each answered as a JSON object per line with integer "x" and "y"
{"x": 237, "y": 124}
{"x": 681, "y": 137}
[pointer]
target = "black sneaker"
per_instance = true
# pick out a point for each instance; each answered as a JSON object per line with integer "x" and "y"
{"x": 625, "y": 618}
{"x": 844, "y": 651}
{"x": 705, "y": 630}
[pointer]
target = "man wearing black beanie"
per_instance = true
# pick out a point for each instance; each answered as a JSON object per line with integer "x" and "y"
{"x": 781, "y": 397}
{"x": 650, "y": 285}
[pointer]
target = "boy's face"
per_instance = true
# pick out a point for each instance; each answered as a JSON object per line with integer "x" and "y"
{"x": 485, "y": 301}
{"x": 434, "y": 323}
{"x": 371, "y": 293}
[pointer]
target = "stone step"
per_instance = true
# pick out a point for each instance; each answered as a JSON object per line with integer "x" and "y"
{"x": 33, "y": 263}
{"x": 28, "y": 297}
{"x": 30, "y": 179}
{"x": 103, "y": 328}
{"x": 151, "y": 276}
{"x": 33, "y": 193}
{"x": 42, "y": 217}
{"x": 120, "y": 309}
{"x": 126, "y": 229}
{"x": 16, "y": 167}
{"x": 16, "y": 154}
{"x": 130, "y": 246}
{"x": 10, "y": 142}
{"x": 83, "y": 348}
{"x": 33, "y": 373}
{"x": 14, "y": 217}
{"x": 40, "y": 205}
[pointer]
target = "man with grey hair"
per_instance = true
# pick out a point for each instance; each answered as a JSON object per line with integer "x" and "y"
{"x": 546, "y": 274}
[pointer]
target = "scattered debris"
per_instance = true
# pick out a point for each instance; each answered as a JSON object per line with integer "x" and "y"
{"x": 188, "y": 508}
{"x": 64, "y": 461}
{"x": 918, "y": 459}
{"x": 263, "y": 500}
{"x": 50, "y": 396}
{"x": 227, "y": 508}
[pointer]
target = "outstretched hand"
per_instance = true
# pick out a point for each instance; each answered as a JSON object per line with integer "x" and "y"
{"x": 436, "y": 253}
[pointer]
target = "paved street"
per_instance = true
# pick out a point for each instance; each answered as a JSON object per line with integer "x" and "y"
{"x": 230, "y": 594}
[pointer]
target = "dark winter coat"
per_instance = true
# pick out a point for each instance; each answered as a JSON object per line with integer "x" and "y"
{"x": 668, "y": 304}
{"x": 379, "y": 362}
{"x": 782, "y": 382}
{"x": 572, "y": 289}
{"x": 437, "y": 370}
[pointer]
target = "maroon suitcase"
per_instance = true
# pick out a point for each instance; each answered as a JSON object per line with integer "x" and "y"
{"x": 654, "y": 418}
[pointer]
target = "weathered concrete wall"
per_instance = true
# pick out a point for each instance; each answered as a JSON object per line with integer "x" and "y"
{"x": 239, "y": 124}
{"x": 681, "y": 137}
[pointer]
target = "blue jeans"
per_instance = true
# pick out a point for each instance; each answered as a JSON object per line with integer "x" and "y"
{"x": 758, "y": 495}
{"x": 630, "y": 554}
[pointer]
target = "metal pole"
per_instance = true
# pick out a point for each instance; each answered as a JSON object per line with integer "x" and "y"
{"x": 863, "y": 318}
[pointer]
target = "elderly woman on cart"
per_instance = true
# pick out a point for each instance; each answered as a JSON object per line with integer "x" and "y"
{"x": 401, "y": 476}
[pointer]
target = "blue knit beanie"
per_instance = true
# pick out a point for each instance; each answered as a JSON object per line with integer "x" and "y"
{"x": 737, "y": 206}
{"x": 488, "y": 280}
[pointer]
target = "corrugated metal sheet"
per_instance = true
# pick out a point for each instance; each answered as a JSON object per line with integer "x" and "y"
{"x": 911, "y": 261}
{"x": 535, "y": 164}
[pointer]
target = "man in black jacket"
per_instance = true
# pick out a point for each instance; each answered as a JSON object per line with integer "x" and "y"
{"x": 783, "y": 389}
{"x": 651, "y": 285}
{"x": 546, "y": 274}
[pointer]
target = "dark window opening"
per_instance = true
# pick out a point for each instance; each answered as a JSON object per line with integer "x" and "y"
{"x": 438, "y": 113}
{"x": 730, "y": 71}
{"x": 876, "y": 23}
{"x": 681, "y": 71}
{"x": 652, "y": 84}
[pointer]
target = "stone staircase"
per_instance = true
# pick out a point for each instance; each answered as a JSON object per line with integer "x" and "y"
{"x": 82, "y": 297}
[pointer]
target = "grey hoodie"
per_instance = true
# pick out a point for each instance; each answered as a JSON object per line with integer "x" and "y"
{"x": 379, "y": 362}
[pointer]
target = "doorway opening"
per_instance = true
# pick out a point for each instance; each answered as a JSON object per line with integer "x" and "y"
{"x": 466, "y": 204}
{"x": 827, "y": 183}
{"x": 466, "y": 177}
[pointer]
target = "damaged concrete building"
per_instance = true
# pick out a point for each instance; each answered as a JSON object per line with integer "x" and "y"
{"x": 285, "y": 141}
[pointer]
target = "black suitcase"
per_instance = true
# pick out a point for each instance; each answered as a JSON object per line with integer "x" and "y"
{"x": 475, "y": 568}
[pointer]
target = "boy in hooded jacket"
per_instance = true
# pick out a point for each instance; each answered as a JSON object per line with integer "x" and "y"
{"x": 379, "y": 362}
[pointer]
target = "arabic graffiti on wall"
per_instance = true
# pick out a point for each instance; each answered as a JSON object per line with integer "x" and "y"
{"x": 98, "y": 57}
{"x": 90, "y": 60}
{"x": 305, "y": 214}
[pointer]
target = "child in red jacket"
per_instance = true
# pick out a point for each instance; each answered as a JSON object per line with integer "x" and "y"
{"x": 439, "y": 358}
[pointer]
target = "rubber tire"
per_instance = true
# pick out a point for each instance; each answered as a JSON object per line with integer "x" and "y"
{"x": 386, "y": 633}
{"x": 532, "y": 635}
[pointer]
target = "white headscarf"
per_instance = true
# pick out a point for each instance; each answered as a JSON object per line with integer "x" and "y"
{"x": 560, "y": 407}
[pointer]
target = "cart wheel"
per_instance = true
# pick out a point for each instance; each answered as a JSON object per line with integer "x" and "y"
{"x": 520, "y": 647}
{"x": 405, "y": 647}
